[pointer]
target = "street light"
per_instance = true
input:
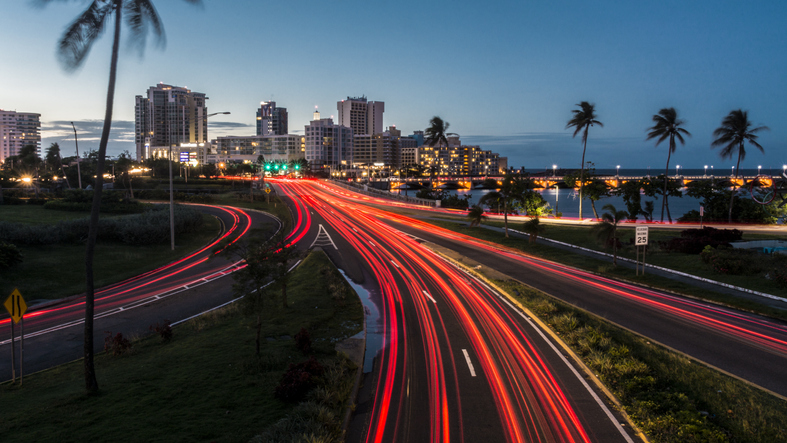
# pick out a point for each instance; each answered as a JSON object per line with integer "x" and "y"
{"x": 706, "y": 170}
{"x": 557, "y": 199}
{"x": 758, "y": 169}
{"x": 617, "y": 171}
{"x": 172, "y": 192}
{"x": 554, "y": 170}
{"x": 677, "y": 168}
{"x": 711, "y": 170}
{"x": 79, "y": 173}
{"x": 733, "y": 171}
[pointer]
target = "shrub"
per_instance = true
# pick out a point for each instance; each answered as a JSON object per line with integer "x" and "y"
{"x": 725, "y": 260}
{"x": 298, "y": 380}
{"x": 10, "y": 255}
{"x": 303, "y": 341}
{"x": 163, "y": 330}
{"x": 692, "y": 241}
{"x": 116, "y": 344}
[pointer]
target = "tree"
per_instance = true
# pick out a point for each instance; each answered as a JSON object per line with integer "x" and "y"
{"x": 252, "y": 281}
{"x": 607, "y": 229}
{"x": 667, "y": 126}
{"x": 583, "y": 119}
{"x": 476, "y": 215}
{"x": 124, "y": 164}
{"x": 510, "y": 192}
{"x": 595, "y": 188}
{"x": 533, "y": 228}
{"x": 75, "y": 44}
{"x": 436, "y": 133}
{"x": 731, "y": 136}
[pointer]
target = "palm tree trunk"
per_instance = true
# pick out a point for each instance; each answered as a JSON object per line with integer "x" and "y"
{"x": 732, "y": 196}
{"x": 664, "y": 195}
{"x": 91, "y": 384}
{"x": 593, "y": 206}
{"x": 505, "y": 215}
{"x": 582, "y": 172}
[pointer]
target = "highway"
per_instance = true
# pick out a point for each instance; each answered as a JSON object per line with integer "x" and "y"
{"x": 745, "y": 345}
{"x": 457, "y": 361}
{"x": 54, "y": 331}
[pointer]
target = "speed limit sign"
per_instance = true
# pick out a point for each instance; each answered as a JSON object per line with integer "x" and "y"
{"x": 641, "y": 235}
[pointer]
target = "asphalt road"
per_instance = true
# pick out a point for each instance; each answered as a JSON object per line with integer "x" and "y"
{"x": 54, "y": 331}
{"x": 456, "y": 360}
{"x": 745, "y": 345}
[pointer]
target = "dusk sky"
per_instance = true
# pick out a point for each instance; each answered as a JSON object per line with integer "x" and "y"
{"x": 506, "y": 75}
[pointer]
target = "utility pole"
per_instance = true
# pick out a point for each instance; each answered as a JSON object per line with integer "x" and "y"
{"x": 79, "y": 172}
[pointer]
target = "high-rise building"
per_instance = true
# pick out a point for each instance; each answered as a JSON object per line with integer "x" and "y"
{"x": 170, "y": 116}
{"x": 328, "y": 145}
{"x": 271, "y": 120}
{"x": 17, "y": 130}
{"x": 278, "y": 148}
{"x": 362, "y": 116}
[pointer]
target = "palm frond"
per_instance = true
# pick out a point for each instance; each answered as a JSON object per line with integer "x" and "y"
{"x": 78, "y": 38}
{"x": 141, "y": 16}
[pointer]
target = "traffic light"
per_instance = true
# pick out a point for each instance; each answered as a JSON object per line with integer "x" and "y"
{"x": 276, "y": 166}
{"x": 284, "y": 167}
{"x": 267, "y": 166}
{"x": 297, "y": 166}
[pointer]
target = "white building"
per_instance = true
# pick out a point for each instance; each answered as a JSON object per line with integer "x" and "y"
{"x": 328, "y": 144}
{"x": 17, "y": 130}
{"x": 170, "y": 116}
{"x": 276, "y": 148}
{"x": 364, "y": 117}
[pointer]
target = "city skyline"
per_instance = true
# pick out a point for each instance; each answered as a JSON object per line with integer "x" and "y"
{"x": 505, "y": 76}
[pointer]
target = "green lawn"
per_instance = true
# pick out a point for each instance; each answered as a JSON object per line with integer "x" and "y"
{"x": 36, "y": 215}
{"x": 204, "y": 385}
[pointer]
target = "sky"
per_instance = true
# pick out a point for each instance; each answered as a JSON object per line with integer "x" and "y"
{"x": 505, "y": 75}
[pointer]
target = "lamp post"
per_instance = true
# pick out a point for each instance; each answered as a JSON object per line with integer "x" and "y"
{"x": 784, "y": 169}
{"x": 557, "y": 199}
{"x": 554, "y": 171}
{"x": 711, "y": 170}
{"x": 79, "y": 172}
{"x": 733, "y": 171}
{"x": 758, "y": 169}
{"x": 172, "y": 193}
{"x": 706, "y": 170}
{"x": 617, "y": 171}
{"x": 677, "y": 168}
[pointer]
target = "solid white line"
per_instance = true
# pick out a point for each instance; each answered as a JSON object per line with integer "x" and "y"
{"x": 469, "y": 363}
{"x": 430, "y": 297}
{"x": 394, "y": 263}
{"x": 371, "y": 244}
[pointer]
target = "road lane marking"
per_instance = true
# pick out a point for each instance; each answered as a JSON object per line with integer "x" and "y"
{"x": 430, "y": 297}
{"x": 394, "y": 263}
{"x": 469, "y": 363}
{"x": 371, "y": 244}
{"x": 323, "y": 237}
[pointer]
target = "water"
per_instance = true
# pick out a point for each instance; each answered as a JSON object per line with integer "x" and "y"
{"x": 567, "y": 202}
{"x": 374, "y": 326}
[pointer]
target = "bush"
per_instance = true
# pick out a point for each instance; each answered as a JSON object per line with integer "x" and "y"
{"x": 725, "y": 260}
{"x": 148, "y": 228}
{"x": 10, "y": 255}
{"x": 455, "y": 202}
{"x": 298, "y": 380}
{"x": 112, "y": 202}
{"x": 116, "y": 344}
{"x": 692, "y": 241}
{"x": 303, "y": 341}
{"x": 164, "y": 330}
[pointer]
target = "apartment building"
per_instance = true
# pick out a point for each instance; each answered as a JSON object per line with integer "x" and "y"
{"x": 271, "y": 120}
{"x": 361, "y": 115}
{"x": 328, "y": 145}
{"x": 17, "y": 130}
{"x": 171, "y": 116}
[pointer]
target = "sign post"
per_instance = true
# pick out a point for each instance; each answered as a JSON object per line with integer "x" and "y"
{"x": 641, "y": 239}
{"x": 16, "y": 306}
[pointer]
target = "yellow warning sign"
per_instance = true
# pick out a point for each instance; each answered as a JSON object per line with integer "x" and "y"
{"x": 16, "y": 305}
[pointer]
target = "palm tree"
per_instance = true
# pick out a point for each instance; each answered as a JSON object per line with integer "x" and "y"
{"x": 436, "y": 132}
{"x": 476, "y": 215}
{"x": 667, "y": 125}
{"x": 533, "y": 228}
{"x": 731, "y": 136}
{"x": 607, "y": 229}
{"x": 584, "y": 118}
{"x": 510, "y": 192}
{"x": 78, "y": 39}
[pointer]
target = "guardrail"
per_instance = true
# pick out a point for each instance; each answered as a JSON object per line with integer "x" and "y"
{"x": 372, "y": 192}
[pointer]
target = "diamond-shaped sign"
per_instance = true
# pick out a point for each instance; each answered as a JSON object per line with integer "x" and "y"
{"x": 16, "y": 305}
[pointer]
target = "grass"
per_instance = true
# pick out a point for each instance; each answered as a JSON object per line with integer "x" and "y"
{"x": 668, "y": 396}
{"x": 683, "y": 262}
{"x": 36, "y": 214}
{"x": 56, "y": 271}
{"x": 203, "y": 385}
